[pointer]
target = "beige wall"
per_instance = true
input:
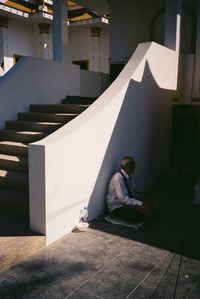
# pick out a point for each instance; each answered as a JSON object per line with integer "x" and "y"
{"x": 81, "y": 46}
{"x": 23, "y": 38}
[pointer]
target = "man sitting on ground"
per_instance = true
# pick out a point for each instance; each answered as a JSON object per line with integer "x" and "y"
{"x": 122, "y": 200}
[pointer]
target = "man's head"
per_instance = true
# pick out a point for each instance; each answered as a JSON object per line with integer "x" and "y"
{"x": 128, "y": 164}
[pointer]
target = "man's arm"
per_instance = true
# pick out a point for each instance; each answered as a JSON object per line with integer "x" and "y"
{"x": 138, "y": 195}
{"x": 122, "y": 192}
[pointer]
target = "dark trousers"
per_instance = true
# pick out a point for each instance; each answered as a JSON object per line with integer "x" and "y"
{"x": 128, "y": 214}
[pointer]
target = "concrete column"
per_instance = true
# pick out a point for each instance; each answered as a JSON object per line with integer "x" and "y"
{"x": 96, "y": 49}
{"x": 4, "y": 60}
{"x": 196, "y": 75}
{"x": 44, "y": 40}
{"x": 173, "y": 24}
{"x": 60, "y": 30}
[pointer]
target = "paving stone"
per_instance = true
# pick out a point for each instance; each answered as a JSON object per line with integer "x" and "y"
{"x": 45, "y": 289}
{"x": 167, "y": 287}
{"x": 92, "y": 252}
{"x": 150, "y": 252}
{"x": 189, "y": 275}
{"x": 74, "y": 270}
{"x": 194, "y": 294}
{"x": 81, "y": 294}
{"x": 147, "y": 287}
{"x": 119, "y": 277}
{"x": 17, "y": 278}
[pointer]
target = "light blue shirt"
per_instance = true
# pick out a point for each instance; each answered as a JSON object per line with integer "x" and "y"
{"x": 117, "y": 195}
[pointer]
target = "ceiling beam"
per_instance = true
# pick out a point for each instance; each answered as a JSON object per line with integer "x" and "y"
{"x": 101, "y": 7}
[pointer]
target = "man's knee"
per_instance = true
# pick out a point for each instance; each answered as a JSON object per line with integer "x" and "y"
{"x": 146, "y": 211}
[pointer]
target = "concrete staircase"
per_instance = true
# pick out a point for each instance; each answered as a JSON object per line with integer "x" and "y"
{"x": 16, "y": 239}
{"x": 32, "y": 126}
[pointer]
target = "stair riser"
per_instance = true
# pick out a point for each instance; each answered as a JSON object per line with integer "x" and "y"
{"x": 32, "y": 127}
{"x": 57, "y": 108}
{"x": 45, "y": 117}
{"x": 14, "y": 174}
{"x": 13, "y": 165}
{"x": 13, "y": 150}
{"x": 78, "y": 100}
{"x": 13, "y": 184}
{"x": 24, "y": 138}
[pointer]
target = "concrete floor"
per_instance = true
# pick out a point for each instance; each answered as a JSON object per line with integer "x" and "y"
{"x": 160, "y": 260}
{"x": 16, "y": 239}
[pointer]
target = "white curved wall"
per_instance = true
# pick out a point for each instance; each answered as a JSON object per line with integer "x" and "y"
{"x": 71, "y": 168}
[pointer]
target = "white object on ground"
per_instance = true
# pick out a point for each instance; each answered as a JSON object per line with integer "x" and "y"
{"x": 123, "y": 222}
{"x": 82, "y": 226}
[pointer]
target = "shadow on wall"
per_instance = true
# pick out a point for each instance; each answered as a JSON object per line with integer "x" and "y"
{"x": 146, "y": 113}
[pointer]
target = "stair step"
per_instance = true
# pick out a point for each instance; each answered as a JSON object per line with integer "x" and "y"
{"x": 11, "y": 147}
{"x": 21, "y": 136}
{"x": 62, "y": 108}
{"x": 8, "y": 162}
{"x": 54, "y": 117}
{"x": 78, "y": 100}
{"x": 33, "y": 126}
{"x": 14, "y": 180}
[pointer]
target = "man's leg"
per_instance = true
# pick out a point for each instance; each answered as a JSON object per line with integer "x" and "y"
{"x": 129, "y": 214}
{"x": 149, "y": 207}
{"x": 144, "y": 210}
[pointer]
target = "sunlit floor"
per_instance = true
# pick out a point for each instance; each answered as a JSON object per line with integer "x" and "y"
{"x": 160, "y": 260}
{"x": 16, "y": 239}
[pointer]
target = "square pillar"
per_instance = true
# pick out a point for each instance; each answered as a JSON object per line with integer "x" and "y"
{"x": 44, "y": 40}
{"x": 60, "y": 30}
{"x": 96, "y": 49}
{"x": 4, "y": 57}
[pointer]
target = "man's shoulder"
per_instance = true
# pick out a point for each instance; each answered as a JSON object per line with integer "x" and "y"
{"x": 117, "y": 176}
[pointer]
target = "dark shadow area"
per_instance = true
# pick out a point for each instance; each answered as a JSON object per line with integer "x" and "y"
{"x": 95, "y": 264}
{"x": 177, "y": 227}
{"x": 14, "y": 213}
{"x": 16, "y": 239}
{"x": 146, "y": 120}
{"x": 44, "y": 278}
